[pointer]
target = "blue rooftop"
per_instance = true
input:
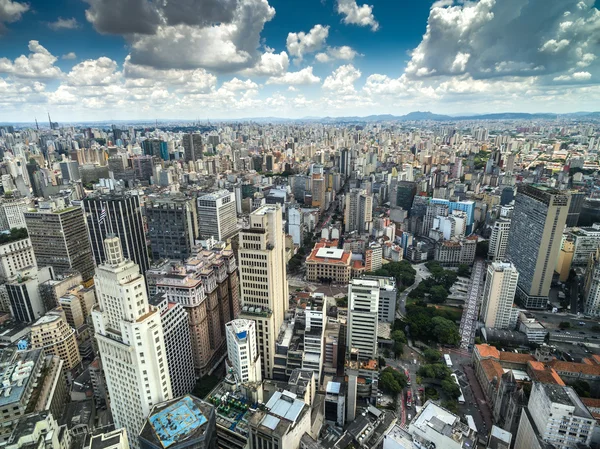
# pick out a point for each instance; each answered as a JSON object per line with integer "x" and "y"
{"x": 177, "y": 421}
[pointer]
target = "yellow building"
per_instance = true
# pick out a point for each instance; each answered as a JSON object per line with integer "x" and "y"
{"x": 52, "y": 334}
{"x": 565, "y": 258}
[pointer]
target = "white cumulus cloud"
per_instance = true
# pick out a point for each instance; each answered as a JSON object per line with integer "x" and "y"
{"x": 357, "y": 15}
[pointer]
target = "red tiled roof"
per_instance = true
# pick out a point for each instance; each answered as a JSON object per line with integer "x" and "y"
{"x": 492, "y": 368}
{"x": 570, "y": 367}
{"x": 488, "y": 351}
{"x": 515, "y": 358}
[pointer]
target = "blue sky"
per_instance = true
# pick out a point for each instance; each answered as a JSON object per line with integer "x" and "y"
{"x": 120, "y": 59}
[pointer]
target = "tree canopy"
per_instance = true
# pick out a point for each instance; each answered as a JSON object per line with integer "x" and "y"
{"x": 402, "y": 271}
{"x": 392, "y": 381}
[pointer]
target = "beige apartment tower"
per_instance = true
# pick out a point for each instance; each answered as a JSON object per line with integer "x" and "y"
{"x": 263, "y": 281}
{"x": 497, "y": 309}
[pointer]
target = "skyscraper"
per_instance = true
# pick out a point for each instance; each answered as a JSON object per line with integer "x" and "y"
{"x": 263, "y": 278}
{"x": 217, "y": 215}
{"x": 60, "y": 240}
{"x": 120, "y": 215}
{"x": 363, "y": 308}
{"x": 172, "y": 227}
{"x": 192, "y": 146}
{"x": 242, "y": 350}
{"x": 498, "y": 296}
{"x": 537, "y": 225}
{"x": 52, "y": 334}
{"x": 130, "y": 340}
{"x": 499, "y": 239}
{"x": 405, "y": 192}
{"x": 358, "y": 213}
{"x": 591, "y": 290}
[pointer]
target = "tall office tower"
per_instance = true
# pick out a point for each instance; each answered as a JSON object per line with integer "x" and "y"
{"x": 591, "y": 290}
{"x": 534, "y": 242}
{"x": 15, "y": 254}
{"x": 23, "y": 294}
{"x": 178, "y": 344}
{"x": 69, "y": 171}
{"x": 555, "y": 415}
{"x": 120, "y": 215}
{"x": 318, "y": 187}
{"x": 192, "y": 147}
{"x": 314, "y": 340}
{"x": 499, "y": 239}
{"x": 242, "y": 350}
{"x": 130, "y": 340}
{"x": 497, "y": 309}
{"x": 186, "y": 422}
{"x": 60, "y": 240}
{"x": 363, "y": 308}
{"x": 172, "y": 227}
{"x": 358, "y": 213}
{"x": 405, "y": 193}
{"x": 52, "y": 334}
{"x": 575, "y": 208}
{"x": 263, "y": 279}
{"x": 345, "y": 162}
{"x": 217, "y": 215}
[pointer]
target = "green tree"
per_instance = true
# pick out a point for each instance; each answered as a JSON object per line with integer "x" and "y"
{"x": 463, "y": 270}
{"x": 564, "y": 325}
{"x": 432, "y": 356}
{"x": 392, "y": 381}
{"x": 482, "y": 248}
{"x": 450, "y": 388}
{"x": 582, "y": 388}
{"x": 451, "y": 406}
{"x": 438, "y": 294}
{"x": 399, "y": 341}
{"x": 445, "y": 331}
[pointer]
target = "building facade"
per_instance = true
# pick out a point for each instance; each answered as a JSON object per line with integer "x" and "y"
{"x": 120, "y": 215}
{"x": 15, "y": 256}
{"x": 499, "y": 291}
{"x": 363, "y": 311}
{"x": 263, "y": 279}
{"x": 242, "y": 350}
{"x": 591, "y": 289}
{"x": 54, "y": 336}
{"x": 535, "y": 238}
{"x": 217, "y": 215}
{"x": 60, "y": 240}
{"x": 130, "y": 341}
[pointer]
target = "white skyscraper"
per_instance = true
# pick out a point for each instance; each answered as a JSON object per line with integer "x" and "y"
{"x": 363, "y": 306}
{"x": 591, "y": 290}
{"x": 499, "y": 295}
{"x": 130, "y": 340}
{"x": 217, "y": 215}
{"x": 499, "y": 239}
{"x": 263, "y": 279}
{"x": 242, "y": 350}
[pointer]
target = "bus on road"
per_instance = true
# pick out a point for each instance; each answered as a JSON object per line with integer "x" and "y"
{"x": 448, "y": 360}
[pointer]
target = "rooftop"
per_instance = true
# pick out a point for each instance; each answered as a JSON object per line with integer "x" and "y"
{"x": 15, "y": 377}
{"x": 176, "y": 421}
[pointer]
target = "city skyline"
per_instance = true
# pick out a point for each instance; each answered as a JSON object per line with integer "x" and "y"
{"x": 254, "y": 58}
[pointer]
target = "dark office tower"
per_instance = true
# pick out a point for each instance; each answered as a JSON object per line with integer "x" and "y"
{"x": 172, "y": 227}
{"x": 33, "y": 170}
{"x": 507, "y": 195}
{"x": 70, "y": 171}
{"x": 345, "y": 162}
{"x": 143, "y": 167}
{"x": 590, "y": 212}
{"x": 575, "y": 208}
{"x": 60, "y": 240}
{"x": 120, "y": 215}
{"x": 405, "y": 194}
{"x": 534, "y": 240}
{"x": 192, "y": 146}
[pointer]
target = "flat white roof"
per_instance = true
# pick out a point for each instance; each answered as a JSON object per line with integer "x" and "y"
{"x": 330, "y": 253}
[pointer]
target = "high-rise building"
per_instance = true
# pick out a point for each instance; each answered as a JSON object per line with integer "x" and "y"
{"x": 555, "y": 415}
{"x": 242, "y": 350}
{"x": 186, "y": 422}
{"x": 178, "y": 344}
{"x": 172, "y": 227}
{"x": 263, "y": 279}
{"x": 192, "y": 147}
{"x": 60, "y": 240}
{"x": 52, "y": 334}
{"x": 497, "y": 309}
{"x": 217, "y": 215}
{"x": 119, "y": 215}
{"x": 39, "y": 430}
{"x": 207, "y": 287}
{"x": 115, "y": 439}
{"x": 575, "y": 206}
{"x": 23, "y": 294}
{"x": 499, "y": 239}
{"x": 15, "y": 255}
{"x": 591, "y": 290}
{"x": 11, "y": 213}
{"x": 534, "y": 242}
{"x": 363, "y": 308}
{"x": 405, "y": 192}
{"x": 70, "y": 171}
{"x": 358, "y": 212}
{"x": 130, "y": 341}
